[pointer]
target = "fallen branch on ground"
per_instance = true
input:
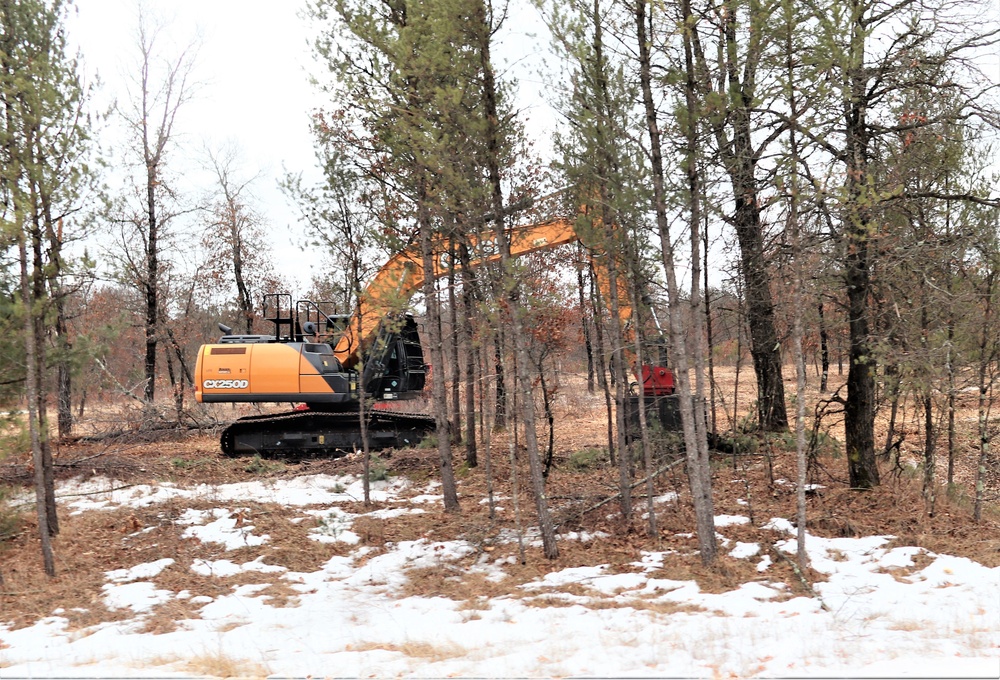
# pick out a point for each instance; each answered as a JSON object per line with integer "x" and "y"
{"x": 645, "y": 479}
{"x": 802, "y": 577}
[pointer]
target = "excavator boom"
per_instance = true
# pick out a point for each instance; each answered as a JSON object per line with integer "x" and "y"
{"x": 403, "y": 274}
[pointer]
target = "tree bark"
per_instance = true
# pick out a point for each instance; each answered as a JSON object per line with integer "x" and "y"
{"x": 455, "y": 351}
{"x": 824, "y": 350}
{"x": 152, "y": 291}
{"x": 468, "y": 309}
{"x": 34, "y": 426}
{"x": 585, "y": 329}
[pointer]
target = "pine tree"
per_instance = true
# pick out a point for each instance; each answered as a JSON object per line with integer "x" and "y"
{"x": 873, "y": 55}
{"x": 732, "y": 94}
{"x": 43, "y": 140}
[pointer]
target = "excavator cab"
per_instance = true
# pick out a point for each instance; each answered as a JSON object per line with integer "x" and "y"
{"x": 395, "y": 368}
{"x": 299, "y": 363}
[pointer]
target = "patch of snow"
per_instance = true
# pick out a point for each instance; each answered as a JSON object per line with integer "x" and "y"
{"x": 334, "y": 527}
{"x": 222, "y": 568}
{"x": 426, "y": 498}
{"x": 390, "y": 513}
{"x": 582, "y": 536}
{"x": 227, "y": 529}
{"x": 781, "y": 525}
{"x": 744, "y": 550}
{"x": 146, "y": 570}
{"x": 569, "y": 575}
{"x": 140, "y": 596}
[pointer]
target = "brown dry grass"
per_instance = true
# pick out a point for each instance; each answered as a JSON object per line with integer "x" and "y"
{"x": 98, "y": 541}
{"x": 417, "y": 650}
{"x": 218, "y": 665}
{"x": 749, "y": 485}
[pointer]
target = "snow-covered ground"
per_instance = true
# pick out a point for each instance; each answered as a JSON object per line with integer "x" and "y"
{"x": 886, "y": 615}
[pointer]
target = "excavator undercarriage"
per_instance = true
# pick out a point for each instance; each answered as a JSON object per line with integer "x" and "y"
{"x": 304, "y": 434}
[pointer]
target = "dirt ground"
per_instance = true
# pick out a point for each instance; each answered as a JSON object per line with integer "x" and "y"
{"x": 581, "y": 490}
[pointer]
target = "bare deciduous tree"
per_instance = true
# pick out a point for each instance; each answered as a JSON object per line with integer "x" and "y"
{"x": 159, "y": 88}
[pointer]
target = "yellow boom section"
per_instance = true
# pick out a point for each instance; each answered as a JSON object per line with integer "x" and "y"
{"x": 403, "y": 274}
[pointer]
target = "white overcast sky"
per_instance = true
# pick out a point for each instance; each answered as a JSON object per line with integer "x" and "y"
{"x": 253, "y": 66}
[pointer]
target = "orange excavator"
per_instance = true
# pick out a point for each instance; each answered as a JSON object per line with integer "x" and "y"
{"x": 319, "y": 360}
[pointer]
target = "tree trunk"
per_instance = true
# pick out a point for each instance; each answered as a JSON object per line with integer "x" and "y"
{"x": 647, "y": 452}
{"x": 987, "y": 354}
{"x": 545, "y": 525}
{"x": 585, "y": 327}
{"x": 824, "y": 350}
{"x": 614, "y": 245}
{"x": 602, "y": 371}
{"x": 38, "y": 312}
{"x": 243, "y": 297}
{"x": 64, "y": 346}
{"x": 33, "y": 360}
{"x": 438, "y": 391}
{"x": 951, "y": 395}
{"x": 618, "y": 368}
{"x": 455, "y": 352}
{"x": 64, "y": 375}
{"x": 793, "y": 228}
{"x": 468, "y": 309}
{"x": 487, "y": 436}
{"x": 892, "y": 392}
{"x": 709, "y": 340}
{"x": 859, "y": 411}
{"x": 151, "y": 285}
{"x": 500, "y": 403}
{"x": 704, "y": 514}
{"x": 740, "y": 160}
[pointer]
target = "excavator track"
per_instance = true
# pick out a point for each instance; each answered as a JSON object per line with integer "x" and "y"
{"x": 311, "y": 434}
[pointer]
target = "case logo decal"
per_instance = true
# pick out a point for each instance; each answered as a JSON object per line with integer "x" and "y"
{"x": 226, "y": 384}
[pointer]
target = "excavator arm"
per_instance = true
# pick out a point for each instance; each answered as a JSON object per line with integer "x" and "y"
{"x": 403, "y": 274}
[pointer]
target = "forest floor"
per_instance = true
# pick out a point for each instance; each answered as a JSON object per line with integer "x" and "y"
{"x": 757, "y": 484}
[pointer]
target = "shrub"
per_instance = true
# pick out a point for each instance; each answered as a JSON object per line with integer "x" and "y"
{"x": 377, "y": 470}
{"x": 588, "y": 458}
{"x": 14, "y": 436}
{"x": 260, "y": 466}
{"x": 10, "y": 518}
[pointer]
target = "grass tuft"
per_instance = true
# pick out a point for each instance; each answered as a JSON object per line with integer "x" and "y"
{"x": 218, "y": 665}
{"x": 10, "y": 518}
{"x": 415, "y": 649}
{"x": 260, "y": 466}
